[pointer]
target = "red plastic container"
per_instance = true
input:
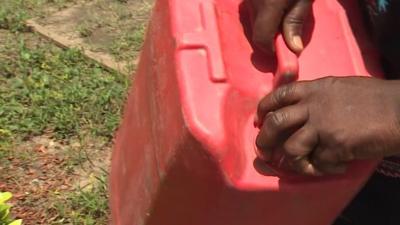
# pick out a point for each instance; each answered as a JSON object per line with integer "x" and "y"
{"x": 184, "y": 154}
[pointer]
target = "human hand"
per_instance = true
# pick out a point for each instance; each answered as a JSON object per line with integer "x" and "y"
{"x": 270, "y": 14}
{"x": 322, "y": 125}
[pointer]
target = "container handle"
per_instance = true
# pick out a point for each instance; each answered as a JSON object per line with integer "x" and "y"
{"x": 287, "y": 69}
{"x": 287, "y": 63}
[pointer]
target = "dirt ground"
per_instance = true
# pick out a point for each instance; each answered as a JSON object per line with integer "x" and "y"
{"x": 58, "y": 111}
{"x": 108, "y": 28}
{"x": 45, "y": 170}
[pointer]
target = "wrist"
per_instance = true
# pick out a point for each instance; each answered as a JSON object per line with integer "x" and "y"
{"x": 392, "y": 105}
{"x": 392, "y": 91}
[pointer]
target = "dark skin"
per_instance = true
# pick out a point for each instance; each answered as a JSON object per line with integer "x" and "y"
{"x": 323, "y": 125}
{"x": 270, "y": 14}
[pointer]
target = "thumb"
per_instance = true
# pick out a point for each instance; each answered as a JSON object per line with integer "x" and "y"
{"x": 293, "y": 24}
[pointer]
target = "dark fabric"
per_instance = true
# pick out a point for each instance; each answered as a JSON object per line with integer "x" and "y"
{"x": 383, "y": 20}
{"x": 376, "y": 204}
{"x": 390, "y": 167}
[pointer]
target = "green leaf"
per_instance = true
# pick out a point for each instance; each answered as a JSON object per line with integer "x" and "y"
{"x": 5, "y": 196}
{"x": 4, "y": 211}
{"x": 16, "y": 222}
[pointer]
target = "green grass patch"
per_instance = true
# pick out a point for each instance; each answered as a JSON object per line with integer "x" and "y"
{"x": 115, "y": 27}
{"x": 59, "y": 93}
{"x": 44, "y": 88}
{"x": 86, "y": 206}
{"x": 13, "y": 13}
{"x": 129, "y": 44}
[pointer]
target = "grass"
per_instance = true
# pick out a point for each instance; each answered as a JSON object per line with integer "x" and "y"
{"x": 88, "y": 205}
{"x": 12, "y": 15}
{"x": 121, "y": 22}
{"x": 48, "y": 91}
{"x": 129, "y": 43}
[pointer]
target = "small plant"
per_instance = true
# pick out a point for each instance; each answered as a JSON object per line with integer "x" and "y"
{"x": 5, "y": 218}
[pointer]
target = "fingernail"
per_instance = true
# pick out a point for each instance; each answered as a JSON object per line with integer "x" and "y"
{"x": 298, "y": 43}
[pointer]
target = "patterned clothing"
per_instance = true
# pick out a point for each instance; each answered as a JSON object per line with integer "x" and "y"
{"x": 379, "y": 6}
{"x": 390, "y": 167}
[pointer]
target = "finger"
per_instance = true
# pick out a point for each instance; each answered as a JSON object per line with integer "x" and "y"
{"x": 331, "y": 156}
{"x": 266, "y": 156}
{"x": 283, "y": 96}
{"x": 331, "y": 160}
{"x": 293, "y": 24}
{"x": 278, "y": 126}
{"x": 298, "y": 147}
{"x": 304, "y": 166}
{"x": 301, "y": 143}
{"x": 332, "y": 168}
{"x": 267, "y": 22}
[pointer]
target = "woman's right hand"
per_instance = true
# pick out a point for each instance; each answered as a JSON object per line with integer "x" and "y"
{"x": 270, "y": 14}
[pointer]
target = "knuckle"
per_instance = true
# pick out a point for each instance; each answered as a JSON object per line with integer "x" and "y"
{"x": 344, "y": 155}
{"x": 298, "y": 16}
{"x": 262, "y": 38}
{"x": 293, "y": 20}
{"x": 340, "y": 140}
{"x": 283, "y": 93}
{"x": 344, "y": 147}
{"x": 276, "y": 4}
{"x": 306, "y": 2}
{"x": 261, "y": 41}
{"x": 276, "y": 120}
{"x": 291, "y": 149}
